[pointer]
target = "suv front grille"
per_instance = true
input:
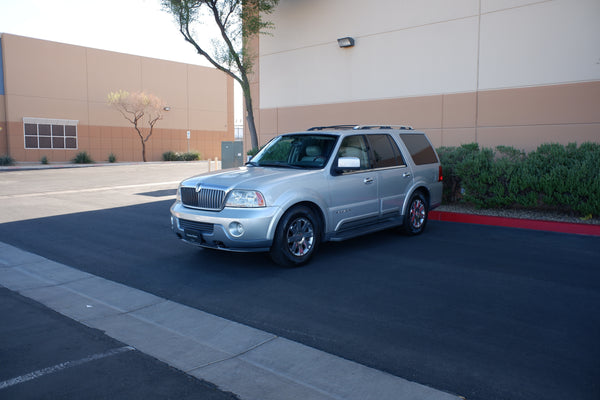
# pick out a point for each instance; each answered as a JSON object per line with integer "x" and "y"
{"x": 206, "y": 199}
{"x": 201, "y": 227}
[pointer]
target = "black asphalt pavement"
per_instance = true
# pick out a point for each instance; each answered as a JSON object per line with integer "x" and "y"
{"x": 484, "y": 312}
{"x": 45, "y": 355}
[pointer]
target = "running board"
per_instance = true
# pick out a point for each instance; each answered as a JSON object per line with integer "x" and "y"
{"x": 365, "y": 229}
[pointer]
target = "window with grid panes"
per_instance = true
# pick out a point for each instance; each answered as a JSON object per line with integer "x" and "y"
{"x": 45, "y": 133}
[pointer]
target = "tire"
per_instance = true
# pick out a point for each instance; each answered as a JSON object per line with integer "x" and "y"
{"x": 416, "y": 215}
{"x": 297, "y": 237}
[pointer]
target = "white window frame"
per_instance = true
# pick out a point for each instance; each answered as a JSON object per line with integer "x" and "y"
{"x": 51, "y": 122}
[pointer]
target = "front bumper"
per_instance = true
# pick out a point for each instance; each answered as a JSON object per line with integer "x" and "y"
{"x": 220, "y": 229}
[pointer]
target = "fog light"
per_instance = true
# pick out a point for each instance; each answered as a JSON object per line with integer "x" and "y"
{"x": 236, "y": 229}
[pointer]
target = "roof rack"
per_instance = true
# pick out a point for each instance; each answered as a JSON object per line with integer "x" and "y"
{"x": 321, "y": 128}
{"x": 354, "y": 126}
{"x": 399, "y": 127}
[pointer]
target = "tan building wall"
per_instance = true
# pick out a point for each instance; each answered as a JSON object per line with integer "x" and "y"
{"x": 3, "y": 137}
{"x": 57, "y": 81}
{"x": 518, "y": 73}
{"x": 523, "y": 118}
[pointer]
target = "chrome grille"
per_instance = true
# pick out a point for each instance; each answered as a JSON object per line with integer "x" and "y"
{"x": 205, "y": 198}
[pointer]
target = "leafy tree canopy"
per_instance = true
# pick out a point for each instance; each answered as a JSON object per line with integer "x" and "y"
{"x": 237, "y": 21}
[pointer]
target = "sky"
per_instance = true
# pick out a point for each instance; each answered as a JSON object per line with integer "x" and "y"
{"x": 138, "y": 27}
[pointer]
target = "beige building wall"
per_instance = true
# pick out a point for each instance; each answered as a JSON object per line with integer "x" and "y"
{"x": 58, "y": 81}
{"x": 497, "y": 72}
{"x": 3, "y": 137}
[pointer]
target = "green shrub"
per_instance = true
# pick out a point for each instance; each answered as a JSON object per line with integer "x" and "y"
{"x": 451, "y": 158}
{"x": 82, "y": 158}
{"x": 44, "y": 160}
{"x": 170, "y": 156}
{"x": 191, "y": 156}
{"x": 6, "y": 160}
{"x": 554, "y": 176}
{"x": 112, "y": 158}
{"x": 173, "y": 156}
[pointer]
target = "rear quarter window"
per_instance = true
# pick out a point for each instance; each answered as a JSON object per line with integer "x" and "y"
{"x": 385, "y": 151}
{"x": 419, "y": 148}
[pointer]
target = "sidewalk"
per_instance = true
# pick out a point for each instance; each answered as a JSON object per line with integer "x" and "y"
{"x": 250, "y": 363}
{"x": 47, "y": 355}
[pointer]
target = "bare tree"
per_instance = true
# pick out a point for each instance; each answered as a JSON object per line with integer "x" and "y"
{"x": 138, "y": 107}
{"x": 237, "y": 21}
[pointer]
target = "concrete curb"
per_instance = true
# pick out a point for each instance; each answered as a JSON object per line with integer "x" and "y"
{"x": 549, "y": 226}
{"x": 251, "y": 363}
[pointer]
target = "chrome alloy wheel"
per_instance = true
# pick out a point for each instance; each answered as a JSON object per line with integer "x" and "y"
{"x": 300, "y": 237}
{"x": 417, "y": 213}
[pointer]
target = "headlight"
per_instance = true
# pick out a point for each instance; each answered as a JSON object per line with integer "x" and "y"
{"x": 245, "y": 198}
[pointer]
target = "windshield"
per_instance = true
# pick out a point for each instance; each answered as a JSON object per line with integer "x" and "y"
{"x": 296, "y": 151}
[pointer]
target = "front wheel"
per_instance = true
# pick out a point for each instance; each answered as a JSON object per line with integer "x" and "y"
{"x": 296, "y": 238}
{"x": 415, "y": 218}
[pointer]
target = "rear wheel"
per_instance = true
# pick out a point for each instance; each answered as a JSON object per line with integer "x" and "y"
{"x": 296, "y": 238}
{"x": 415, "y": 218}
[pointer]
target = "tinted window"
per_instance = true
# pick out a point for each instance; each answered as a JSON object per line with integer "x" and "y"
{"x": 385, "y": 151}
{"x": 419, "y": 148}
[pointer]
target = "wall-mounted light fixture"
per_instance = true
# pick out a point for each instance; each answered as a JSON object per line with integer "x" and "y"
{"x": 167, "y": 108}
{"x": 346, "y": 42}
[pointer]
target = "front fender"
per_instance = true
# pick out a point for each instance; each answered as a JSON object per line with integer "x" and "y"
{"x": 291, "y": 198}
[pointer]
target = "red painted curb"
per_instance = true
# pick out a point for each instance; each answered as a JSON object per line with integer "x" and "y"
{"x": 550, "y": 226}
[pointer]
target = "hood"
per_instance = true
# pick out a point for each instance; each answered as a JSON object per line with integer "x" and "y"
{"x": 253, "y": 178}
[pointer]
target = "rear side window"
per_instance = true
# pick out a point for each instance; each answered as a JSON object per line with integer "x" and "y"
{"x": 385, "y": 152}
{"x": 419, "y": 148}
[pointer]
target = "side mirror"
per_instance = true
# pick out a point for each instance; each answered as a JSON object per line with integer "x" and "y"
{"x": 347, "y": 164}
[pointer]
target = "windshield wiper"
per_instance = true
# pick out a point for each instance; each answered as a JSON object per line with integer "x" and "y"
{"x": 279, "y": 164}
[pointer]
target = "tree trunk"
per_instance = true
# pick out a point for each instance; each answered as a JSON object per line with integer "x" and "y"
{"x": 144, "y": 151}
{"x": 139, "y": 132}
{"x": 249, "y": 112}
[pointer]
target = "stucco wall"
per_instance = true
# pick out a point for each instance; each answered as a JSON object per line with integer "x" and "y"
{"x": 510, "y": 72}
{"x": 54, "y": 80}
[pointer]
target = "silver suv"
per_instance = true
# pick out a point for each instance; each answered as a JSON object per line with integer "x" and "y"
{"x": 302, "y": 189}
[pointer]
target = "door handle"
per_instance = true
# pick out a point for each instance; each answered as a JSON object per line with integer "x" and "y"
{"x": 368, "y": 180}
{"x": 406, "y": 174}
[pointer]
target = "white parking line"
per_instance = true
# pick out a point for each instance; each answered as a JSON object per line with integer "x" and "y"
{"x": 62, "y": 366}
{"x": 98, "y": 189}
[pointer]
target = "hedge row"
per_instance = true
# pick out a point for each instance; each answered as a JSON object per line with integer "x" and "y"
{"x": 557, "y": 177}
{"x": 173, "y": 156}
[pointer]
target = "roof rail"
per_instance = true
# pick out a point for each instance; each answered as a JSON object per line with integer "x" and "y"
{"x": 399, "y": 127}
{"x": 356, "y": 127}
{"x": 321, "y": 128}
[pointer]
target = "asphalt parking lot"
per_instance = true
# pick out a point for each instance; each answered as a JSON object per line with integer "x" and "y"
{"x": 476, "y": 311}
{"x": 47, "y": 355}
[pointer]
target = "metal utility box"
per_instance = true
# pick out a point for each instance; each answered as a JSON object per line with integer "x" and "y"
{"x": 231, "y": 154}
